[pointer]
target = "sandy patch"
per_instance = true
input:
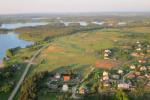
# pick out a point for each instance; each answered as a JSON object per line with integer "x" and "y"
{"x": 106, "y": 64}
{"x": 52, "y": 49}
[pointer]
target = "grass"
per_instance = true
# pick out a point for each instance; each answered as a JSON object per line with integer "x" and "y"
{"x": 81, "y": 48}
{"x": 78, "y": 48}
{"x": 48, "y": 96}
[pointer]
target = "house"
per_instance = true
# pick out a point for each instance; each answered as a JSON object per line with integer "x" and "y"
{"x": 105, "y": 73}
{"x": 120, "y": 71}
{"x": 139, "y": 45}
{"x": 135, "y": 54}
{"x": 132, "y": 67}
{"x": 105, "y": 76}
{"x": 66, "y": 77}
{"x": 131, "y": 75}
{"x": 122, "y": 23}
{"x": 107, "y": 53}
{"x": 115, "y": 77}
{"x": 57, "y": 76}
{"x": 123, "y": 86}
{"x": 138, "y": 42}
{"x": 139, "y": 49}
{"x": 65, "y": 88}
{"x": 143, "y": 68}
{"x": 142, "y": 61}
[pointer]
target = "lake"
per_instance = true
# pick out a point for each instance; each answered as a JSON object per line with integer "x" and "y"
{"x": 98, "y": 23}
{"x": 20, "y": 25}
{"x": 11, "y": 40}
{"x": 82, "y": 23}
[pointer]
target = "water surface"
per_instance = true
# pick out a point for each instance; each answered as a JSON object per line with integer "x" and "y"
{"x": 98, "y": 23}
{"x": 20, "y": 25}
{"x": 82, "y": 23}
{"x": 11, "y": 40}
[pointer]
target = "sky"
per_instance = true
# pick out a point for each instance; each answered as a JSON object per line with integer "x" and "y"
{"x": 61, "y": 6}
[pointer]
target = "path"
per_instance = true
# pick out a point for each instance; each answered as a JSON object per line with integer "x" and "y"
{"x": 12, "y": 95}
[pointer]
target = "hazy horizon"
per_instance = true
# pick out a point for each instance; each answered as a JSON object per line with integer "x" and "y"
{"x": 72, "y": 6}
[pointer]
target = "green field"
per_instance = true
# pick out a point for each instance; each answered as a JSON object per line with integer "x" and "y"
{"x": 82, "y": 48}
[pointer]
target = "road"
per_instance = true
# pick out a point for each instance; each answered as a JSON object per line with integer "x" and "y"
{"x": 15, "y": 90}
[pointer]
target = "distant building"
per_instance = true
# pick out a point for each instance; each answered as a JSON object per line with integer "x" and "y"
{"x": 122, "y": 23}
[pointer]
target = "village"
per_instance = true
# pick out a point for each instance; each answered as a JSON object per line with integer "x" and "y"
{"x": 127, "y": 77}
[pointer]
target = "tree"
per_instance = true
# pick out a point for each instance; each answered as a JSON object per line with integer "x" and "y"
{"x": 30, "y": 86}
{"x": 6, "y": 88}
{"x": 94, "y": 88}
{"x": 139, "y": 91}
{"x": 9, "y": 53}
{"x": 120, "y": 95}
{"x": 96, "y": 76}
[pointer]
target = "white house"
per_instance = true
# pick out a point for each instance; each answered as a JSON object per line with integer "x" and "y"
{"x": 122, "y": 23}
{"x": 57, "y": 76}
{"x": 105, "y": 76}
{"x": 139, "y": 49}
{"x": 120, "y": 71}
{"x": 65, "y": 88}
{"x": 132, "y": 67}
{"x": 105, "y": 73}
{"x": 143, "y": 68}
